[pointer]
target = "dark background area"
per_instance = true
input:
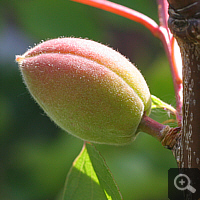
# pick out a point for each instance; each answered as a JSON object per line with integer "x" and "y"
{"x": 35, "y": 155}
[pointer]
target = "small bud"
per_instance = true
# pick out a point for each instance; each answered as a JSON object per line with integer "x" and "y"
{"x": 86, "y": 88}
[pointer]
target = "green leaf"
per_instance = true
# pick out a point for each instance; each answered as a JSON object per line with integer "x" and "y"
{"x": 157, "y": 103}
{"x": 90, "y": 178}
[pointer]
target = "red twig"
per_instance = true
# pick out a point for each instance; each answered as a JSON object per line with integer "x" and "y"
{"x": 173, "y": 56}
{"x": 163, "y": 14}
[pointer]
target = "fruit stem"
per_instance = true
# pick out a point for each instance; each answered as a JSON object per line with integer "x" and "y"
{"x": 163, "y": 133}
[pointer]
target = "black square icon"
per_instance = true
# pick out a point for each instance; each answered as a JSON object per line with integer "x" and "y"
{"x": 184, "y": 183}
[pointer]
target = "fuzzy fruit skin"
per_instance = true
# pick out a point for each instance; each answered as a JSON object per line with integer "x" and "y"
{"x": 86, "y": 88}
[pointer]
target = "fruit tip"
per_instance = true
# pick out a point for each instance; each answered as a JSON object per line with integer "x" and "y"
{"x": 19, "y": 58}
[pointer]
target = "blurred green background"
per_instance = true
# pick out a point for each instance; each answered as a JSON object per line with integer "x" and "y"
{"x": 35, "y": 155}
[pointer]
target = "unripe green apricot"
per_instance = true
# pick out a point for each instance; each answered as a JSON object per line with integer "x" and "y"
{"x": 87, "y": 89}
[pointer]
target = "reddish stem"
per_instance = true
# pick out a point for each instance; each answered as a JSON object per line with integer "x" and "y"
{"x": 153, "y": 128}
{"x": 168, "y": 42}
{"x": 163, "y": 133}
{"x": 177, "y": 79}
{"x": 163, "y": 14}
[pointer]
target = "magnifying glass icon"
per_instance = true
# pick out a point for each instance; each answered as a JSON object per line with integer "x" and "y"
{"x": 182, "y": 182}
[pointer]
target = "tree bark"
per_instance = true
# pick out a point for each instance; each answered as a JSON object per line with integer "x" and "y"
{"x": 184, "y": 23}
